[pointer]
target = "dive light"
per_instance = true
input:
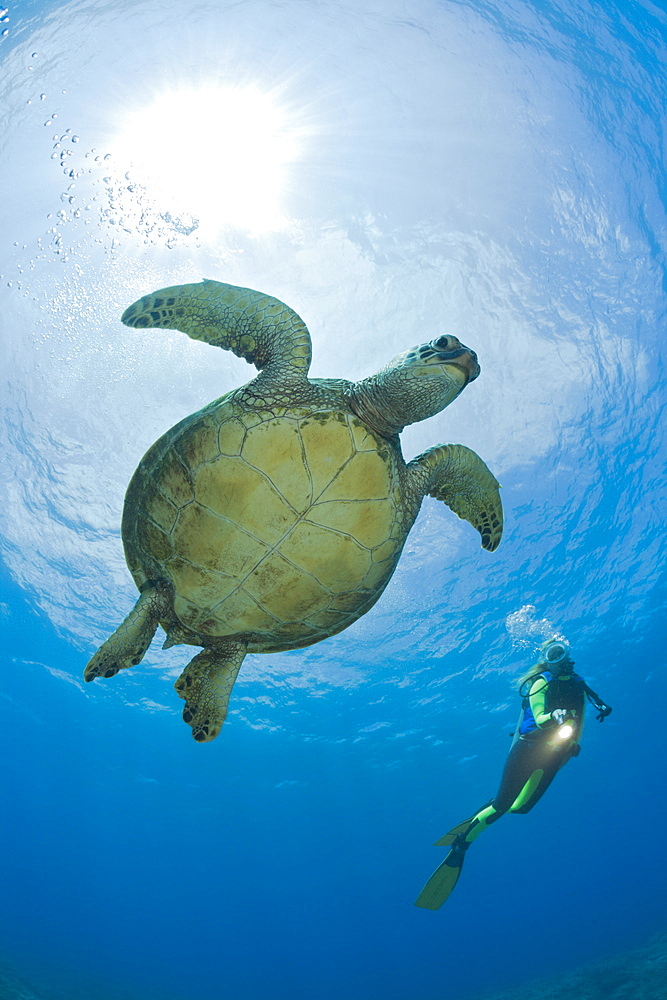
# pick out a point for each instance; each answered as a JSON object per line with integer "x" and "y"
{"x": 565, "y": 729}
{"x": 565, "y": 732}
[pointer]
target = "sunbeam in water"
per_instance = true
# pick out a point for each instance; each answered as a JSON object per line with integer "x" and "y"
{"x": 395, "y": 170}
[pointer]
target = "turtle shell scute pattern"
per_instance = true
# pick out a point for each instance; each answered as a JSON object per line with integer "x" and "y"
{"x": 277, "y": 526}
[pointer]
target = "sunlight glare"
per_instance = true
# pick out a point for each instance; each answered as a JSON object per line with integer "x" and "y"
{"x": 217, "y": 153}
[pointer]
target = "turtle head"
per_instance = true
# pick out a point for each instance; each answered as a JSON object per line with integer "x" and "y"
{"x": 415, "y": 385}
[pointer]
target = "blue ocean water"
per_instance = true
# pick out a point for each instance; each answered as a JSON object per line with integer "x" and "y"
{"x": 488, "y": 168}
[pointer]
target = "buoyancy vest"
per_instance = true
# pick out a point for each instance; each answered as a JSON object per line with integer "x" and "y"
{"x": 568, "y": 693}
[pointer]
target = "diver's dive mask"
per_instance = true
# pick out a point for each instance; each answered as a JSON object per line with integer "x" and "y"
{"x": 557, "y": 654}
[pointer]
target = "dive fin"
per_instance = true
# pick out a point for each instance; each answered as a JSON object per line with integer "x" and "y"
{"x": 441, "y": 883}
{"x": 456, "y": 831}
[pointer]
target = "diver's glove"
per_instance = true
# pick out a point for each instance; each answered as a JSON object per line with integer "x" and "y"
{"x": 559, "y": 715}
{"x": 605, "y": 710}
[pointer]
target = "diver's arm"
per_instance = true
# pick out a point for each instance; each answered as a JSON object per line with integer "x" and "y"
{"x": 597, "y": 702}
{"x": 537, "y": 698}
{"x": 538, "y": 701}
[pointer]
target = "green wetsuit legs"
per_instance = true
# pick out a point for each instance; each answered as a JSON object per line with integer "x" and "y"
{"x": 530, "y": 768}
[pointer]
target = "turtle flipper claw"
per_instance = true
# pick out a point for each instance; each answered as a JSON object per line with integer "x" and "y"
{"x": 128, "y": 644}
{"x": 458, "y": 477}
{"x": 114, "y": 656}
{"x": 206, "y": 684}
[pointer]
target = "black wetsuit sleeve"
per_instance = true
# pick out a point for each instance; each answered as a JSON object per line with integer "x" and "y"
{"x": 597, "y": 702}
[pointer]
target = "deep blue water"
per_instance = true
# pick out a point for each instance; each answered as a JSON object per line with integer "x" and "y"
{"x": 494, "y": 169}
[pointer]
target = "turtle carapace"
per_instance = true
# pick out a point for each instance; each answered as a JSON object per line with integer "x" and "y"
{"x": 275, "y": 516}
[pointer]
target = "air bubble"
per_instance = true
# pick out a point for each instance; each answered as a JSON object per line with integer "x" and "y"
{"x": 5, "y": 32}
{"x": 49, "y": 121}
{"x": 75, "y": 138}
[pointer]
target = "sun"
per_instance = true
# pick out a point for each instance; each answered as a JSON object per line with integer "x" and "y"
{"x": 219, "y": 153}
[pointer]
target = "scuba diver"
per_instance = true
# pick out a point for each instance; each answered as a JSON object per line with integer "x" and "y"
{"x": 546, "y": 737}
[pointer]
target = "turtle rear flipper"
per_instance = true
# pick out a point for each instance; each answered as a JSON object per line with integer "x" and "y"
{"x": 458, "y": 476}
{"x": 128, "y": 644}
{"x": 206, "y": 684}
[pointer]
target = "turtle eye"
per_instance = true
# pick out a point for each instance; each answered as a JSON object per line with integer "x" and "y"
{"x": 444, "y": 342}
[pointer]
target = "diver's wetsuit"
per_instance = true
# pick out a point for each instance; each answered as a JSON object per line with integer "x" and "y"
{"x": 541, "y": 746}
{"x": 537, "y": 751}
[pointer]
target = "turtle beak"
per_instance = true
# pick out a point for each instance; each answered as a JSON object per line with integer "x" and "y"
{"x": 451, "y": 351}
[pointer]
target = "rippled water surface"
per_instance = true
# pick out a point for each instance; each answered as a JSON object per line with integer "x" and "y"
{"x": 393, "y": 171}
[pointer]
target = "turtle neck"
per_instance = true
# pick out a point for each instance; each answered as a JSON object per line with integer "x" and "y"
{"x": 369, "y": 401}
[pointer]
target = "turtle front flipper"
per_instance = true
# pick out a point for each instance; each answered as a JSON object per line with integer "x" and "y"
{"x": 128, "y": 644}
{"x": 206, "y": 684}
{"x": 457, "y": 476}
{"x": 254, "y": 326}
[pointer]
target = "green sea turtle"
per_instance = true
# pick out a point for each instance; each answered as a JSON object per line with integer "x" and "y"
{"x": 275, "y": 516}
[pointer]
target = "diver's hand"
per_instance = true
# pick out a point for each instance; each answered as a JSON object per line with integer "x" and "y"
{"x": 559, "y": 715}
